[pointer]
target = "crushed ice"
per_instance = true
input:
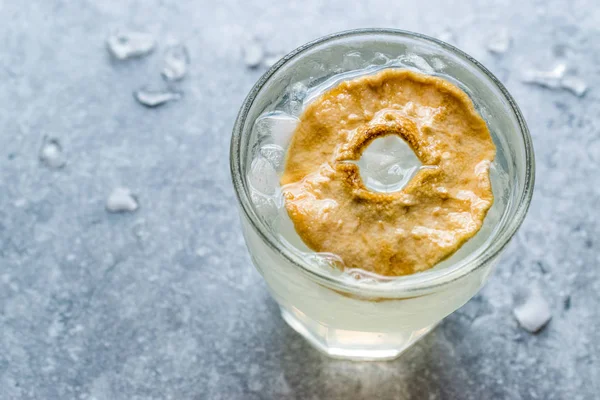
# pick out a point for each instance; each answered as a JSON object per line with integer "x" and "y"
{"x": 276, "y": 128}
{"x": 176, "y": 63}
{"x": 296, "y": 94}
{"x": 262, "y": 177}
{"x": 550, "y": 79}
{"x": 253, "y": 54}
{"x": 121, "y": 200}
{"x": 151, "y": 97}
{"x": 125, "y": 45}
{"x": 266, "y": 206}
{"x": 534, "y": 313}
{"x": 51, "y": 154}
{"x": 274, "y": 154}
{"x": 575, "y": 85}
{"x": 500, "y": 42}
{"x": 387, "y": 164}
{"x": 380, "y": 59}
{"x": 556, "y": 79}
{"x": 352, "y": 61}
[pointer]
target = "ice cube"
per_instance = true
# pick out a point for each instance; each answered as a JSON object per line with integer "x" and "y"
{"x": 373, "y": 162}
{"x": 534, "y": 313}
{"x": 575, "y": 85}
{"x": 125, "y": 45}
{"x": 500, "y": 42}
{"x": 121, "y": 200}
{"x": 549, "y": 79}
{"x": 274, "y": 154}
{"x": 438, "y": 64}
{"x": 388, "y": 156}
{"x": 556, "y": 79}
{"x": 387, "y": 169}
{"x": 265, "y": 206}
{"x": 253, "y": 54}
{"x": 380, "y": 59}
{"x": 419, "y": 62}
{"x": 51, "y": 154}
{"x": 151, "y": 97}
{"x": 352, "y": 61}
{"x": 276, "y": 127}
{"x": 176, "y": 63}
{"x": 402, "y": 171}
{"x": 262, "y": 177}
{"x": 294, "y": 99}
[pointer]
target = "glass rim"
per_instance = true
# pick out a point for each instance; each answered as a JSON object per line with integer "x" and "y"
{"x": 410, "y": 284}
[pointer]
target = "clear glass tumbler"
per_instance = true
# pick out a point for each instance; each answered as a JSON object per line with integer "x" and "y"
{"x": 362, "y": 319}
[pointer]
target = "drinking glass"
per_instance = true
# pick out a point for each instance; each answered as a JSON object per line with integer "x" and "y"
{"x": 366, "y": 319}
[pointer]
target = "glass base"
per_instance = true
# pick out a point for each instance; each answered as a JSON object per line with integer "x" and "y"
{"x": 352, "y": 345}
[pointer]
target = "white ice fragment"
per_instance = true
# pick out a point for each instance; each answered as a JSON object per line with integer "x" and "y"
{"x": 265, "y": 206}
{"x": 176, "y": 63}
{"x": 500, "y": 42}
{"x": 372, "y": 162}
{"x": 295, "y": 96}
{"x": 296, "y": 99}
{"x": 124, "y": 45}
{"x": 262, "y": 177}
{"x": 253, "y": 54}
{"x": 298, "y": 91}
{"x": 276, "y": 127}
{"x": 575, "y": 85}
{"x": 51, "y": 154}
{"x": 550, "y": 79}
{"x": 352, "y": 61}
{"x": 556, "y": 79}
{"x": 274, "y": 154}
{"x": 380, "y": 59}
{"x": 534, "y": 313}
{"x": 438, "y": 64}
{"x": 121, "y": 200}
{"x": 151, "y": 98}
{"x": 418, "y": 62}
{"x": 388, "y": 164}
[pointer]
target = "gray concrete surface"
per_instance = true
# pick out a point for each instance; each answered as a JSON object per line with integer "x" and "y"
{"x": 163, "y": 303}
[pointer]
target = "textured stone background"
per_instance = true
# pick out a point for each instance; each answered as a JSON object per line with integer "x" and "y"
{"x": 164, "y": 303}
